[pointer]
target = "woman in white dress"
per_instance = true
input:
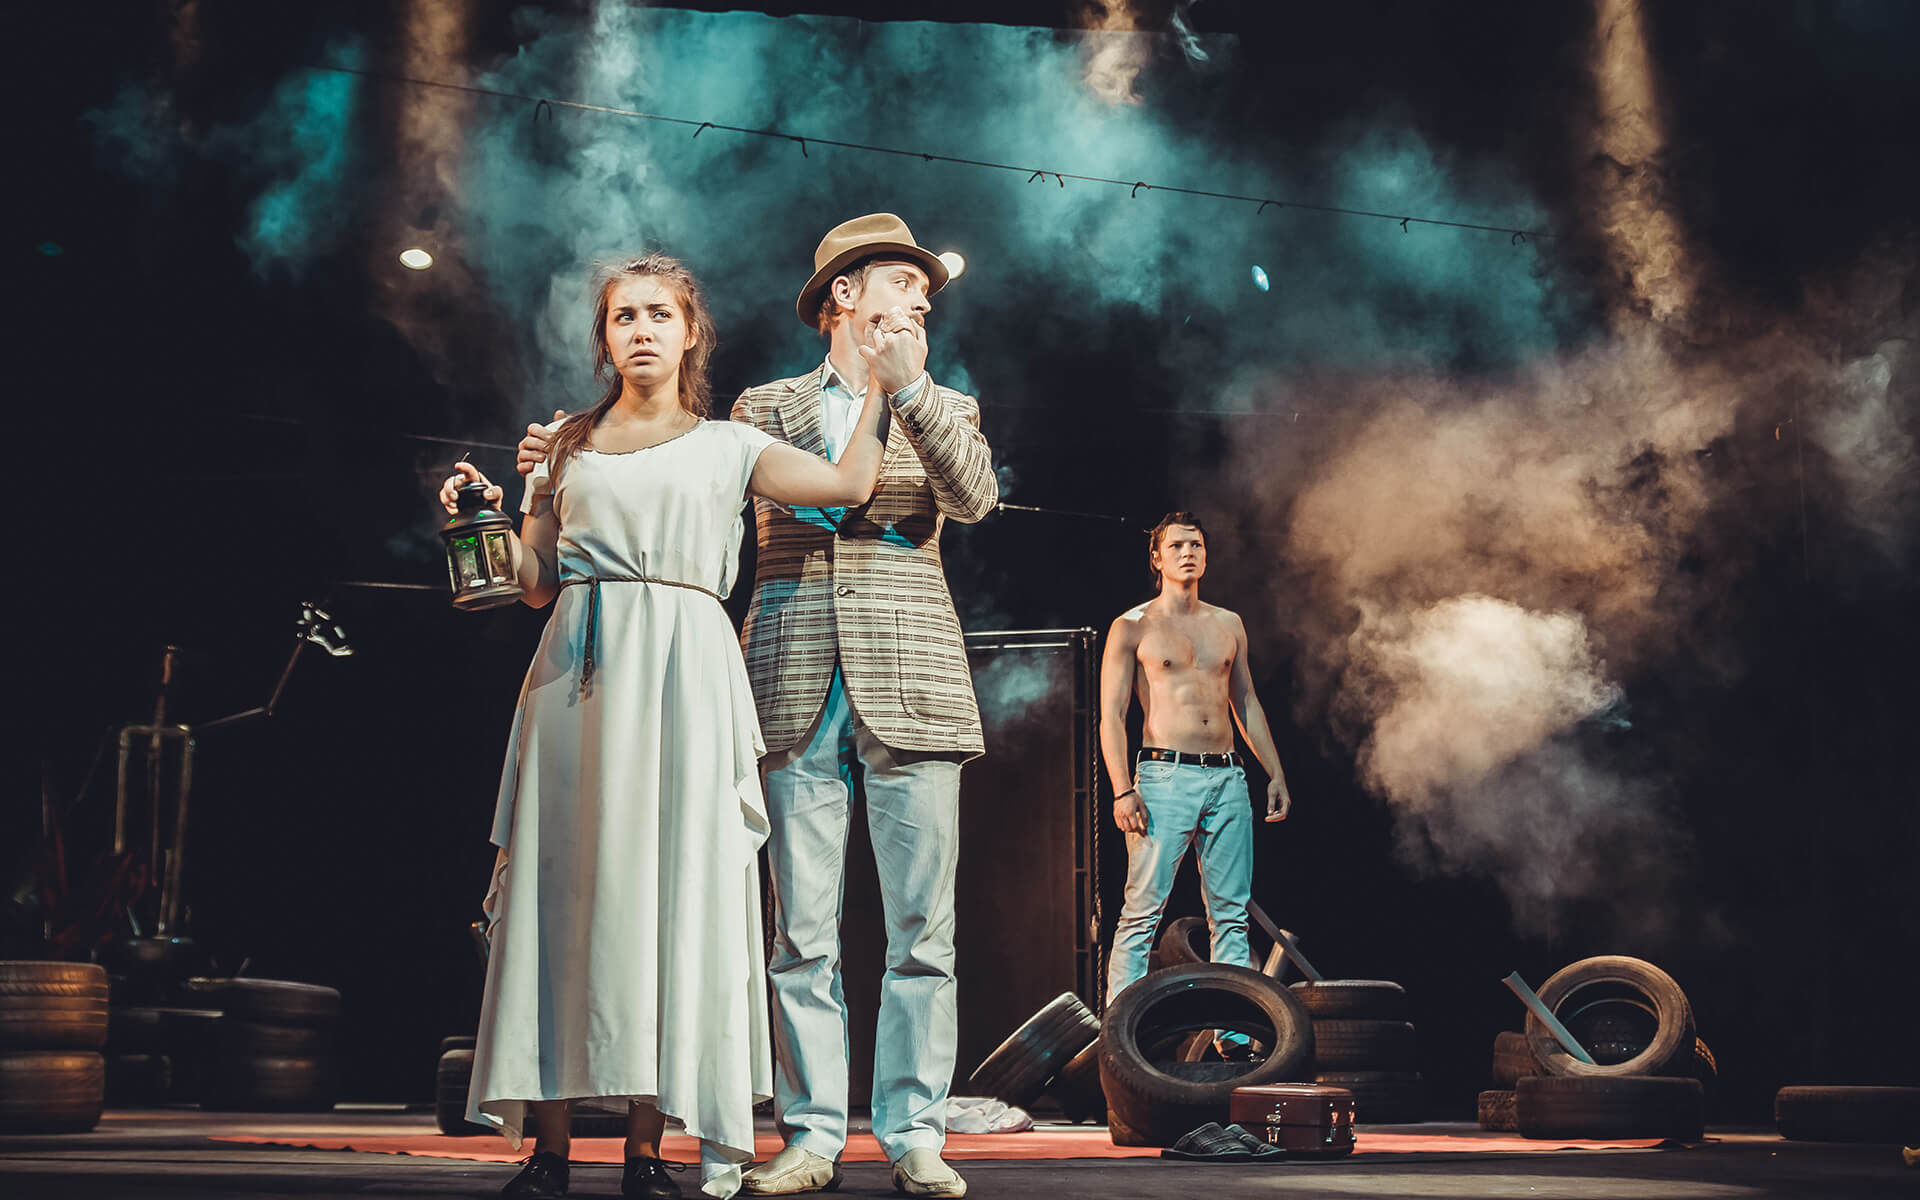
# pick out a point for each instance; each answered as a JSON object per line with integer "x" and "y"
{"x": 626, "y": 963}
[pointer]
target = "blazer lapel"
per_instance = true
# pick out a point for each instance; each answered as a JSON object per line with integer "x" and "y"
{"x": 800, "y": 416}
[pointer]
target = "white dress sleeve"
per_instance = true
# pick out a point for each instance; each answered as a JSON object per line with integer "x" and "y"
{"x": 540, "y": 480}
{"x": 750, "y": 443}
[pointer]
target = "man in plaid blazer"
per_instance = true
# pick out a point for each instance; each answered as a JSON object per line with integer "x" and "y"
{"x": 856, "y": 655}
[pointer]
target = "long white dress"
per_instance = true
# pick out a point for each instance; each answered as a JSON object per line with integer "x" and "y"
{"x": 626, "y": 957}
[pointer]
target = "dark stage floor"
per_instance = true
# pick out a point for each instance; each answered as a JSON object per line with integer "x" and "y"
{"x": 179, "y": 1152}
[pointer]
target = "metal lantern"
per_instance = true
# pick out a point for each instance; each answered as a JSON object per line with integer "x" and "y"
{"x": 479, "y": 554}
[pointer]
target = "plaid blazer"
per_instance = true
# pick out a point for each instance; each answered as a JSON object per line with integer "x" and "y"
{"x": 867, "y": 584}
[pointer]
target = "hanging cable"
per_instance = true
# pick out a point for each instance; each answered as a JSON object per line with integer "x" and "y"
{"x": 1136, "y": 186}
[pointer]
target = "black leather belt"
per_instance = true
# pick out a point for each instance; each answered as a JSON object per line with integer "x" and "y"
{"x": 1155, "y": 754}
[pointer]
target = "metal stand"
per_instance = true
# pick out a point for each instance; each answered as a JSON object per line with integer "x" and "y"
{"x": 167, "y": 862}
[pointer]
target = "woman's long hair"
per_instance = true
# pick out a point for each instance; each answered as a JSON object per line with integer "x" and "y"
{"x": 694, "y": 386}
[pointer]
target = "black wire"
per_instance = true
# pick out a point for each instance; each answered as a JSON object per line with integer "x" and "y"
{"x": 1135, "y": 185}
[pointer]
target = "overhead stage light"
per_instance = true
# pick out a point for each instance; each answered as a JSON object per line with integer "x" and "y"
{"x": 956, "y": 266}
{"x": 416, "y": 259}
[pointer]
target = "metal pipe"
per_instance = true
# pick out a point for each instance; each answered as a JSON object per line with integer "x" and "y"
{"x": 286, "y": 673}
{"x": 120, "y": 791}
{"x": 1282, "y": 939}
{"x": 1538, "y": 1008}
{"x": 156, "y": 752}
{"x": 176, "y": 856}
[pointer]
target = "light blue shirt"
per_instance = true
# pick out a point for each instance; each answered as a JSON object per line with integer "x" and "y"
{"x": 840, "y": 407}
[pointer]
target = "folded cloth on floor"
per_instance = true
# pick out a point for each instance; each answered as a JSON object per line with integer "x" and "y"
{"x": 984, "y": 1114}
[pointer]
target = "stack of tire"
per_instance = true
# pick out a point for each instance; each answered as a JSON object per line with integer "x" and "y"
{"x": 454, "y": 1076}
{"x": 53, "y": 1022}
{"x": 275, "y": 1047}
{"x": 1648, "y": 1069}
{"x": 1363, "y": 1041}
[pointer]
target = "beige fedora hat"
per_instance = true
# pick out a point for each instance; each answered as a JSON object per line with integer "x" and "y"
{"x": 876, "y": 234}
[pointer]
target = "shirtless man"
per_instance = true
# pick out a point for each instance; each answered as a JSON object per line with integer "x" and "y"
{"x": 1188, "y": 661}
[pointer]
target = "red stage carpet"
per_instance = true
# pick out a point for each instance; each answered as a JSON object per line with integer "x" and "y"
{"x": 1047, "y": 1143}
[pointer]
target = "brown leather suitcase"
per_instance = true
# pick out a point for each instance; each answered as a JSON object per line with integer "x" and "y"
{"x": 1309, "y": 1120}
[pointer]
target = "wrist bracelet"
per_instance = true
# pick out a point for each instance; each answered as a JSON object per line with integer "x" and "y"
{"x": 1132, "y": 791}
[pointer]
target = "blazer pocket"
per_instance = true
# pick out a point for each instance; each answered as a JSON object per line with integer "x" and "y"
{"x": 936, "y": 684}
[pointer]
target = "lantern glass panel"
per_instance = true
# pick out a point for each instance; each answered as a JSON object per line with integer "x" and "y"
{"x": 499, "y": 558}
{"x": 466, "y": 560}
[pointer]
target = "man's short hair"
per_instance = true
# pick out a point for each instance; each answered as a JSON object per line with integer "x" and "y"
{"x": 856, "y": 275}
{"x": 1166, "y": 522}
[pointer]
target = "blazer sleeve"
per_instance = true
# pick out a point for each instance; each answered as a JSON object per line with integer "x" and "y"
{"x": 944, "y": 429}
{"x": 743, "y": 409}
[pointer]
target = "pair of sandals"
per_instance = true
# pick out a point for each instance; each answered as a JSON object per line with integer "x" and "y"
{"x": 1214, "y": 1143}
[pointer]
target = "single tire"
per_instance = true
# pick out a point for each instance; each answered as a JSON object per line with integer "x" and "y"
{"x": 51, "y": 1091}
{"x": 264, "y": 1084}
{"x": 1610, "y": 1106}
{"x": 1513, "y": 1059}
{"x": 278, "y": 1002}
{"x": 1672, "y": 1040}
{"x": 1363, "y": 1046}
{"x": 138, "y": 1080}
{"x": 237, "y": 1038}
{"x": 1848, "y": 1114}
{"x": 1381, "y": 1097}
{"x": 451, "y": 1082}
{"x": 1153, "y": 1101}
{"x": 457, "y": 1043}
{"x": 36, "y": 978}
{"x": 1353, "y": 999}
{"x": 1497, "y": 1112}
{"x": 1017, "y": 1072}
{"x": 1077, "y": 1087}
{"x": 53, "y": 1022}
{"x": 1184, "y": 940}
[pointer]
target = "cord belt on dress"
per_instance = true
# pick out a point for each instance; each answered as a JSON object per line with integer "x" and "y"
{"x": 593, "y": 610}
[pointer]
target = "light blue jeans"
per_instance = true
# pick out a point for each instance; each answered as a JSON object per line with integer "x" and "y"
{"x": 913, "y": 817}
{"x": 1203, "y": 807}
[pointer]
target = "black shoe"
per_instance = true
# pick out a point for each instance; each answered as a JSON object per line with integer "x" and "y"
{"x": 1258, "y": 1147}
{"x": 542, "y": 1174}
{"x": 647, "y": 1178}
{"x": 1209, "y": 1143}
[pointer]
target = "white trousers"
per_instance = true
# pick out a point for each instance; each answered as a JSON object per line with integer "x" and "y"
{"x": 1203, "y": 807}
{"x": 913, "y": 807}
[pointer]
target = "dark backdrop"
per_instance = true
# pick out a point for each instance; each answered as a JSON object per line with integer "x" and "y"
{"x": 203, "y": 447}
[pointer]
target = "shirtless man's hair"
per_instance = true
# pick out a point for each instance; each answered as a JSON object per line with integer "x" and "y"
{"x": 1187, "y": 661}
